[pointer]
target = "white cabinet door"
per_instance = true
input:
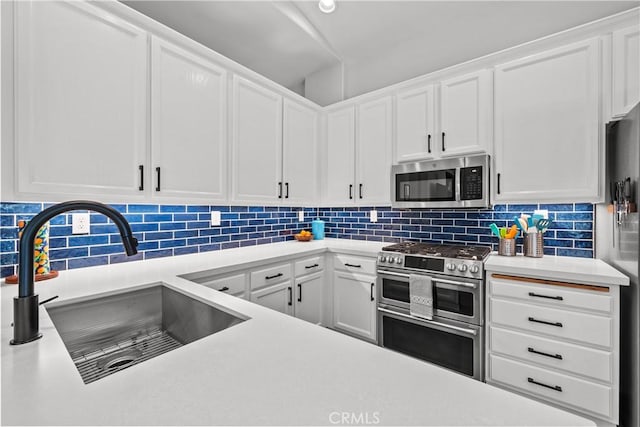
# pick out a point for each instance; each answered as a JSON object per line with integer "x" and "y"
{"x": 626, "y": 70}
{"x": 81, "y": 100}
{"x": 300, "y": 153}
{"x": 374, "y": 152}
{"x": 547, "y": 126}
{"x": 354, "y": 306}
{"x": 308, "y": 298}
{"x": 257, "y": 143}
{"x": 188, "y": 124}
{"x": 465, "y": 114}
{"x": 277, "y": 297}
{"x": 415, "y": 120}
{"x": 341, "y": 156}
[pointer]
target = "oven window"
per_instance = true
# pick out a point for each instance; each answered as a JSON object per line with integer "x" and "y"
{"x": 431, "y": 186}
{"x": 442, "y": 348}
{"x": 453, "y": 301}
{"x": 395, "y": 290}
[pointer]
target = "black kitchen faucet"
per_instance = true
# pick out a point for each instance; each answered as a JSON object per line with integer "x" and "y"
{"x": 26, "y": 326}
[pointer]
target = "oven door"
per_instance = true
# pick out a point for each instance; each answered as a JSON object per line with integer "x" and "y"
{"x": 456, "y": 299}
{"x": 453, "y": 345}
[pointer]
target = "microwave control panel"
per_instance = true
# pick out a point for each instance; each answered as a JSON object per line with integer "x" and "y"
{"x": 471, "y": 183}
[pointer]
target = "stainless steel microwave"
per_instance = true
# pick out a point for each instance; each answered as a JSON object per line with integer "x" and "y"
{"x": 456, "y": 182}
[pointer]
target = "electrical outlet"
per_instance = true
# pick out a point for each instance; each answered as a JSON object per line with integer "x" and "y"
{"x": 215, "y": 218}
{"x": 80, "y": 223}
{"x": 373, "y": 215}
{"x": 301, "y": 216}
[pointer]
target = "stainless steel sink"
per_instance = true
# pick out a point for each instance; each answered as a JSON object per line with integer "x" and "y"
{"x": 107, "y": 334}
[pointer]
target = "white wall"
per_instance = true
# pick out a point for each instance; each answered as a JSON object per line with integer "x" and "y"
{"x": 326, "y": 86}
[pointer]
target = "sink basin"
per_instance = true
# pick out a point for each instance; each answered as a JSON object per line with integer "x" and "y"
{"x": 107, "y": 334}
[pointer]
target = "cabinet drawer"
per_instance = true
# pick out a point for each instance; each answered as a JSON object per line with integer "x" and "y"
{"x": 309, "y": 265}
{"x": 572, "y": 358}
{"x": 233, "y": 285}
{"x": 552, "y": 386}
{"x": 357, "y": 264}
{"x": 552, "y": 295}
{"x": 554, "y": 322}
{"x": 270, "y": 275}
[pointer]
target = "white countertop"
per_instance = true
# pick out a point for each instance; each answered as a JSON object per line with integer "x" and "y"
{"x": 272, "y": 369}
{"x": 582, "y": 270}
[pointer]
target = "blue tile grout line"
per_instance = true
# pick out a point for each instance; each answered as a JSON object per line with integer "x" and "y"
{"x": 171, "y": 230}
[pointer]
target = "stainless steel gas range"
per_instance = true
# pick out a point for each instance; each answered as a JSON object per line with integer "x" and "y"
{"x": 453, "y": 336}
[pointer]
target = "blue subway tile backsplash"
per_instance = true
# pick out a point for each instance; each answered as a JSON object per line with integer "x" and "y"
{"x": 171, "y": 230}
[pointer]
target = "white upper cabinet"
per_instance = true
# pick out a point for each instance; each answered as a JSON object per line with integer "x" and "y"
{"x": 465, "y": 114}
{"x": 415, "y": 125}
{"x": 359, "y": 153}
{"x": 460, "y": 123}
{"x": 547, "y": 126}
{"x": 81, "y": 101}
{"x": 300, "y": 153}
{"x": 257, "y": 142}
{"x": 373, "y": 153}
{"x": 341, "y": 140}
{"x": 626, "y": 70}
{"x": 188, "y": 124}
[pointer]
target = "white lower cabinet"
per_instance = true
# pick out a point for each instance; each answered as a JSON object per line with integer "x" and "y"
{"x": 354, "y": 305}
{"x": 301, "y": 296}
{"x": 555, "y": 341}
{"x": 278, "y": 297}
{"x": 308, "y": 298}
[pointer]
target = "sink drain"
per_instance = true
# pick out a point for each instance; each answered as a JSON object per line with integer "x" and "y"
{"x": 122, "y": 355}
{"x": 119, "y": 360}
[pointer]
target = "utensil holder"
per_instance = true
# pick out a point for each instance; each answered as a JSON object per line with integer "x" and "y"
{"x": 507, "y": 247}
{"x": 533, "y": 245}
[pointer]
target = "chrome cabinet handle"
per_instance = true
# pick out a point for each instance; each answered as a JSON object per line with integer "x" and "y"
{"x": 372, "y": 298}
{"x": 555, "y": 356}
{"x": 360, "y": 190}
{"x": 352, "y": 265}
{"x": 429, "y": 143}
{"x": 498, "y": 191}
{"x": 350, "y": 191}
{"x": 158, "y": 176}
{"x": 290, "y": 295}
{"x": 286, "y": 186}
{"x": 299, "y": 292}
{"x": 273, "y": 277}
{"x": 552, "y": 387}
{"x": 559, "y": 298}
{"x": 558, "y": 324}
{"x": 442, "y": 141}
{"x": 312, "y": 266}
{"x": 280, "y": 190}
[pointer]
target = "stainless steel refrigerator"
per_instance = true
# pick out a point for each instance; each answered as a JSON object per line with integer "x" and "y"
{"x": 617, "y": 242}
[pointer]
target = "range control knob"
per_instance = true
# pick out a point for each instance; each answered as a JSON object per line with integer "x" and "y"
{"x": 382, "y": 258}
{"x": 451, "y": 266}
{"x": 462, "y": 268}
{"x": 398, "y": 260}
{"x": 474, "y": 269}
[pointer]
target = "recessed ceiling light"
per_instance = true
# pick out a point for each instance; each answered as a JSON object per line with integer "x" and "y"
{"x": 327, "y": 6}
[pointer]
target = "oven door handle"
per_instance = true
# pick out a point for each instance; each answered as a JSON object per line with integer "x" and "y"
{"x": 431, "y": 322}
{"x": 433, "y": 279}
{"x": 453, "y": 282}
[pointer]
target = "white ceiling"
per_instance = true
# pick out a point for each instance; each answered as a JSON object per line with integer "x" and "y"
{"x": 288, "y": 40}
